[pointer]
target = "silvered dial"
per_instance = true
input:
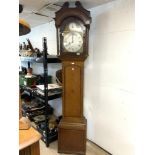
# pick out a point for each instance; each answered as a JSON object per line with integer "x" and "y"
{"x": 73, "y": 37}
{"x": 73, "y": 41}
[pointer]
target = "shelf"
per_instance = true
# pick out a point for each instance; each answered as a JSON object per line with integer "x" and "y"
{"x": 50, "y": 59}
{"x": 50, "y": 97}
{"x": 28, "y": 59}
{"x": 34, "y": 92}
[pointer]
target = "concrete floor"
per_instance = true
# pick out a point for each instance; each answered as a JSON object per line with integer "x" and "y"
{"x": 92, "y": 149}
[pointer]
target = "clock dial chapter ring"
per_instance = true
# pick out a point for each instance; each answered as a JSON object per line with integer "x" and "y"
{"x": 72, "y": 41}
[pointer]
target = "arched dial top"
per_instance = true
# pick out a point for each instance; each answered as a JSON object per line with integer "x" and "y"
{"x": 72, "y": 25}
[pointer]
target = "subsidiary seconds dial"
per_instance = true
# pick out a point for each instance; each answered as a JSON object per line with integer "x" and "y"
{"x": 72, "y": 41}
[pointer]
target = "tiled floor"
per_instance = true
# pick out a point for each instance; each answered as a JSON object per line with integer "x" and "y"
{"x": 92, "y": 149}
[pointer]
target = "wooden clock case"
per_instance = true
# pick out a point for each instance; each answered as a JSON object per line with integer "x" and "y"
{"x": 72, "y": 128}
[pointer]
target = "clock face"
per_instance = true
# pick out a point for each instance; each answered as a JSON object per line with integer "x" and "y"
{"x": 73, "y": 41}
{"x": 73, "y": 37}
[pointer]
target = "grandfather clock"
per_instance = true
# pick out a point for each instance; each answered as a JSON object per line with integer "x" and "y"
{"x": 72, "y": 24}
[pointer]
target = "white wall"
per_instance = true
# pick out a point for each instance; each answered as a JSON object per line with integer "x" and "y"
{"x": 145, "y": 77}
{"x": 109, "y": 92}
{"x": 109, "y": 77}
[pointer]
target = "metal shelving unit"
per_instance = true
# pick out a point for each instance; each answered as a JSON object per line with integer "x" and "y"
{"x": 47, "y": 135}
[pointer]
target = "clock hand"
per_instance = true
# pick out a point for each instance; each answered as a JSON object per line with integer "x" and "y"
{"x": 72, "y": 38}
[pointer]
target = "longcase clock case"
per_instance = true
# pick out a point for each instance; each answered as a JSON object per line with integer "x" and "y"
{"x": 73, "y": 126}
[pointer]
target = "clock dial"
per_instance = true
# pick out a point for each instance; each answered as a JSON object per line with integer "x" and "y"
{"x": 73, "y": 41}
{"x": 73, "y": 38}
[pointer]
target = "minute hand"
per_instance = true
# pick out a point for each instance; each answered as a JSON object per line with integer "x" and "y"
{"x": 72, "y": 38}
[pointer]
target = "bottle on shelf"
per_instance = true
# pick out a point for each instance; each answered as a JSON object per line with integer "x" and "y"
{"x": 29, "y": 69}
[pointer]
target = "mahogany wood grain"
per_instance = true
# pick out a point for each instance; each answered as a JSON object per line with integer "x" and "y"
{"x": 72, "y": 88}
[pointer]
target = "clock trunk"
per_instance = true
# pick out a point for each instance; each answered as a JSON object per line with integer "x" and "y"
{"x": 73, "y": 89}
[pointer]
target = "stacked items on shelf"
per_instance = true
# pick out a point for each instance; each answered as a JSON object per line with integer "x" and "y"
{"x": 53, "y": 122}
{"x": 40, "y": 79}
{"x": 35, "y": 111}
{"x": 38, "y": 91}
{"x": 35, "y": 108}
{"x": 28, "y": 51}
{"x": 52, "y": 89}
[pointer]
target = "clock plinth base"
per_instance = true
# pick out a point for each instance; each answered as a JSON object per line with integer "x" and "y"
{"x": 72, "y": 137}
